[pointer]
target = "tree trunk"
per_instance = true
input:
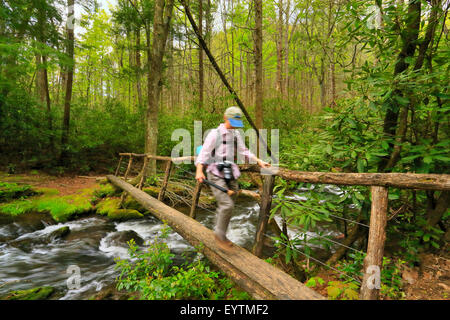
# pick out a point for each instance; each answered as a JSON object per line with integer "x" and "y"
{"x": 409, "y": 36}
{"x": 258, "y": 64}
{"x": 200, "y": 56}
{"x": 69, "y": 83}
{"x": 286, "y": 50}
{"x": 375, "y": 247}
{"x": 162, "y": 17}
{"x": 279, "y": 43}
{"x": 138, "y": 66}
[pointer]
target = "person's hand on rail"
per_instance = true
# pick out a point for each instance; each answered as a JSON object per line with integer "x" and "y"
{"x": 199, "y": 175}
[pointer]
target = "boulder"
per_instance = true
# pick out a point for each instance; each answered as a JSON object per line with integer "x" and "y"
{"x": 124, "y": 214}
{"x": 59, "y": 233}
{"x": 121, "y": 238}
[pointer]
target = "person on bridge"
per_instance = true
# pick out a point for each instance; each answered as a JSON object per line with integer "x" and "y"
{"x": 218, "y": 155}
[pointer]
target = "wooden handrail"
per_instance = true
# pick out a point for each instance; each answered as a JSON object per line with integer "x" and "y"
{"x": 398, "y": 180}
{"x": 419, "y": 181}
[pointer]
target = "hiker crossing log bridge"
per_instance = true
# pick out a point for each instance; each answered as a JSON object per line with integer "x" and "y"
{"x": 257, "y": 277}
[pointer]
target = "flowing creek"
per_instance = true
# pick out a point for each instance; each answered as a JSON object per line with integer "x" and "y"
{"x": 30, "y": 256}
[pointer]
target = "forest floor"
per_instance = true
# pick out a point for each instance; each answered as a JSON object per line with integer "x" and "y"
{"x": 66, "y": 185}
{"x": 429, "y": 281}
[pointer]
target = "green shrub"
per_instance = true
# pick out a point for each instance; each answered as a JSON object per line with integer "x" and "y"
{"x": 154, "y": 276}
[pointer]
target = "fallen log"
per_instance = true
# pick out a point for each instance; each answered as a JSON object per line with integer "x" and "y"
{"x": 257, "y": 277}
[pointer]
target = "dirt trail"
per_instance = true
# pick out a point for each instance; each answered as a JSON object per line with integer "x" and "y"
{"x": 66, "y": 185}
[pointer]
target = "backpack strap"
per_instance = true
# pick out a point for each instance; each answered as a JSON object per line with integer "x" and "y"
{"x": 224, "y": 141}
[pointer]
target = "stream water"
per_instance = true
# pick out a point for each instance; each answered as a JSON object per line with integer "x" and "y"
{"x": 30, "y": 256}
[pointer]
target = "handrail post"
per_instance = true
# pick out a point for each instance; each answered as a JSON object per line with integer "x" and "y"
{"x": 166, "y": 180}
{"x": 373, "y": 262}
{"x": 264, "y": 213}
{"x": 143, "y": 173}
{"x": 118, "y": 166}
{"x": 195, "y": 198}
{"x": 128, "y": 168}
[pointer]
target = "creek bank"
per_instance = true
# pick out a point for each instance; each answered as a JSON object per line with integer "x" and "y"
{"x": 39, "y": 293}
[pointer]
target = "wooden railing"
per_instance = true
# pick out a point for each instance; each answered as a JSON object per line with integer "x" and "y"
{"x": 378, "y": 183}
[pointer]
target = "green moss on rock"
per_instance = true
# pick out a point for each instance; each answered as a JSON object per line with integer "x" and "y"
{"x": 60, "y": 208}
{"x": 107, "y": 190}
{"x": 130, "y": 203}
{"x": 39, "y": 293}
{"x": 110, "y": 207}
{"x": 125, "y": 214}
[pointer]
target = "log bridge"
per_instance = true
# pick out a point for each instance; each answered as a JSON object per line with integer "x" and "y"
{"x": 252, "y": 274}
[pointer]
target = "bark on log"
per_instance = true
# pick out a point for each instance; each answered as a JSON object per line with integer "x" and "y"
{"x": 375, "y": 246}
{"x": 257, "y": 277}
{"x": 397, "y": 180}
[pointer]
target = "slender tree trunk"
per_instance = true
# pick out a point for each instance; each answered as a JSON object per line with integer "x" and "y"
{"x": 286, "y": 50}
{"x": 69, "y": 83}
{"x": 138, "y": 66}
{"x": 258, "y": 64}
{"x": 279, "y": 43}
{"x": 200, "y": 56}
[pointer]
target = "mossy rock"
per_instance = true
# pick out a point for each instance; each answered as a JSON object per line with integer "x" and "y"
{"x": 107, "y": 190}
{"x": 110, "y": 207}
{"x": 107, "y": 205}
{"x": 125, "y": 214}
{"x": 60, "y": 233}
{"x": 130, "y": 203}
{"x": 39, "y": 293}
{"x": 64, "y": 208}
{"x": 60, "y": 208}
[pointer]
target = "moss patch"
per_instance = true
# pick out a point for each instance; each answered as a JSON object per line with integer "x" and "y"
{"x": 110, "y": 207}
{"x": 125, "y": 214}
{"x": 9, "y": 191}
{"x": 107, "y": 190}
{"x": 47, "y": 191}
{"x": 151, "y": 190}
{"x": 60, "y": 208}
{"x": 39, "y": 293}
{"x": 130, "y": 203}
{"x": 17, "y": 207}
